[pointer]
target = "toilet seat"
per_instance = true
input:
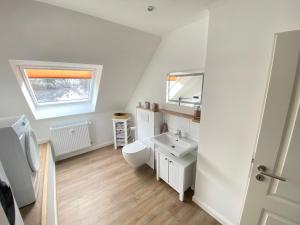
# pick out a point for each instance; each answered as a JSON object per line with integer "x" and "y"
{"x": 134, "y": 147}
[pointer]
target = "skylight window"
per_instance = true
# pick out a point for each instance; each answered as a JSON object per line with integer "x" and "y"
{"x": 55, "y": 86}
{"x": 58, "y": 89}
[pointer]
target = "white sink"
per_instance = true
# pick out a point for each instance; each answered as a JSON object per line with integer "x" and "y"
{"x": 178, "y": 147}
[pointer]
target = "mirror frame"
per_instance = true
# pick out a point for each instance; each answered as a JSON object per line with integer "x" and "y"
{"x": 183, "y": 102}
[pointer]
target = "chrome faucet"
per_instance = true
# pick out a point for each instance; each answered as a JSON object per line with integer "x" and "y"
{"x": 178, "y": 134}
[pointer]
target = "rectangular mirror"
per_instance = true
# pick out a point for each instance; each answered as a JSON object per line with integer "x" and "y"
{"x": 185, "y": 88}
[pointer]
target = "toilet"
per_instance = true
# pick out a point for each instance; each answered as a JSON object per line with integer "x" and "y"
{"x": 136, "y": 153}
{"x": 141, "y": 151}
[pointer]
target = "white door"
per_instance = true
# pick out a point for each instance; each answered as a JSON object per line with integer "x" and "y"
{"x": 164, "y": 167}
{"x": 174, "y": 171}
{"x": 276, "y": 201}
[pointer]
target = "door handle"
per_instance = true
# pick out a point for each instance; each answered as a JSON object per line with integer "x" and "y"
{"x": 262, "y": 172}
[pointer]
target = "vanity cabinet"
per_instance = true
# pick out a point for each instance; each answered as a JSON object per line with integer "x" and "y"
{"x": 177, "y": 172}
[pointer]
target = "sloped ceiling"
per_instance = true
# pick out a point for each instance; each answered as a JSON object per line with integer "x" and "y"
{"x": 32, "y": 30}
{"x": 168, "y": 14}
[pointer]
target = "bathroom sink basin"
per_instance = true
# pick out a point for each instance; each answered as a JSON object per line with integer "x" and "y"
{"x": 178, "y": 147}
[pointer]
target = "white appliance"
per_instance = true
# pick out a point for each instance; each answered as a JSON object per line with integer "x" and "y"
{"x": 9, "y": 211}
{"x": 19, "y": 154}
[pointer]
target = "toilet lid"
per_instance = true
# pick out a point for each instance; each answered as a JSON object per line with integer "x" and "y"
{"x": 134, "y": 147}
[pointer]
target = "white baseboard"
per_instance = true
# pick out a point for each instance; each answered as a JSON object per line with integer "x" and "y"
{"x": 220, "y": 218}
{"x": 92, "y": 148}
{"x": 101, "y": 145}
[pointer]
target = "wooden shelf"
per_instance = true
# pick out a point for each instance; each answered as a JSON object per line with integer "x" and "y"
{"x": 179, "y": 114}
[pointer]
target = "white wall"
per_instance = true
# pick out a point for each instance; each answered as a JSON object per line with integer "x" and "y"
{"x": 189, "y": 128}
{"x": 32, "y": 30}
{"x": 181, "y": 50}
{"x": 240, "y": 40}
{"x": 100, "y": 128}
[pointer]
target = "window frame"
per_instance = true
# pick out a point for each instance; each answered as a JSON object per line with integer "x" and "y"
{"x": 61, "y": 108}
{"x": 31, "y": 91}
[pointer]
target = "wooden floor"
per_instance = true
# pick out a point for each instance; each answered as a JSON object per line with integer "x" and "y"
{"x": 100, "y": 188}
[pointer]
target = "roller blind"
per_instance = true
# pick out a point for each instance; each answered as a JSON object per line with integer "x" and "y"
{"x": 58, "y": 74}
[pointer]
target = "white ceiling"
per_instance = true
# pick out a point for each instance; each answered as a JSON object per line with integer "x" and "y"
{"x": 168, "y": 14}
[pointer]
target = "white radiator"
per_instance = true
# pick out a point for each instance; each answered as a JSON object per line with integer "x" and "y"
{"x": 69, "y": 138}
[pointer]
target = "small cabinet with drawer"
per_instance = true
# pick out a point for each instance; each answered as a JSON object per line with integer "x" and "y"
{"x": 177, "y": 172}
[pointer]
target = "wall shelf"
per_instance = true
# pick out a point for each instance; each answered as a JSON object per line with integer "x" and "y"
{"x": 179, "y": 114}
{"x": 175, "y": 113}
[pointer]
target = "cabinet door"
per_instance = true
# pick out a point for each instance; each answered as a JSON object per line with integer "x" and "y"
{"x": 164, "y": 167}
{"x": 174, "y": 175}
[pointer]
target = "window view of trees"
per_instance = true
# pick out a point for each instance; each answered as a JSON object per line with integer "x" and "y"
{"x": 57, "y": 90}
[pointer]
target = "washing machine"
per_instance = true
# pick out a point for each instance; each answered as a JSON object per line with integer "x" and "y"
{"x": 19, "y": 154}
{"x": 9, "y": 211}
